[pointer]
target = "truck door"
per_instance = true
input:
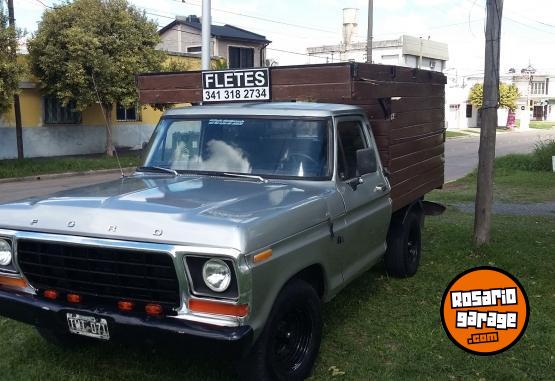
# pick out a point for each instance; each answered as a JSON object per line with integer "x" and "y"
{"x": 366, "y": 199}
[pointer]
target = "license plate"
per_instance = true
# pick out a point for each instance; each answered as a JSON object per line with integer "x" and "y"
{"x": 88, "y": 326}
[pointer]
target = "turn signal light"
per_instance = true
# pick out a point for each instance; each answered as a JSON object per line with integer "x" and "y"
{"x": 218, "y": 308}
{"x": 13, "y": 282}
{"x": 260, "y": 257}
{"x": 50, "y": 294}
{"x": 154, "y": 309}
{"x": 74, "y": 298}
{"x": 125, "y": 305}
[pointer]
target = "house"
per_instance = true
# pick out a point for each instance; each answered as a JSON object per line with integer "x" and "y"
{"x": 240, "y": 48}
{"x": 536, "y": 100}
{"x": 52, "y": 129}
{"x": 406, "y": 50}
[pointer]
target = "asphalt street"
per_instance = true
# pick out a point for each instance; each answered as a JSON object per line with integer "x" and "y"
{"x": 461, "y": 155}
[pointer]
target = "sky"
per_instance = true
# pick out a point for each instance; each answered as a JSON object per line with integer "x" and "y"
{"x": 528, "y": 27}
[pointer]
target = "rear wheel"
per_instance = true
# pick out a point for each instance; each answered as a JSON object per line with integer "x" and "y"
{"x": 289, "y": 344}
{"x": 404, "y": 246}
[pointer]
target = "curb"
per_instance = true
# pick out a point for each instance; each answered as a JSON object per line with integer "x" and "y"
{"x": 51, "y": 176}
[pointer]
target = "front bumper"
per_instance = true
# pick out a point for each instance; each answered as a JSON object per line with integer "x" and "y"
{"x": 32, "y": 310}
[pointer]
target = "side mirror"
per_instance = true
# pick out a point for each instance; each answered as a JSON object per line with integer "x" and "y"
{"x": 366, "y": 161}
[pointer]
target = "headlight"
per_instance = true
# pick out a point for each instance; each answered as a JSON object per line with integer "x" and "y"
{"x": 216, "y": 275}
{"x": 5, "y": 253}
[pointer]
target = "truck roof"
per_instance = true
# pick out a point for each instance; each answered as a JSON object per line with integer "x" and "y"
{"x": 268, "y": 109}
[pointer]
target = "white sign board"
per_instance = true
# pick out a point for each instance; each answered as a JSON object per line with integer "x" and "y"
{"x": 246, "y": 85}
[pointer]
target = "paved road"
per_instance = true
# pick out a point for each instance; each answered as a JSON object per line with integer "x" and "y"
{"x": 461, "y": 158}
{"x": 461, "y": 154}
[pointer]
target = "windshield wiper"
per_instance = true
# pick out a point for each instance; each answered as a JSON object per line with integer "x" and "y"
{"x": 240, "y": 175}
{"x": 158, "y": 169}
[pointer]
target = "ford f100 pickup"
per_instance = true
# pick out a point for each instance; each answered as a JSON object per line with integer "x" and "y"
{"x": 242, "y": 220}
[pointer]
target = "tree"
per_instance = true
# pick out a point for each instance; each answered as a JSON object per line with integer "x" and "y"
{"x": 10, "y": 71}
{"x": 90, "y": 50}
{"x": 508, "y": 95}
{"x": 491, "y": 102}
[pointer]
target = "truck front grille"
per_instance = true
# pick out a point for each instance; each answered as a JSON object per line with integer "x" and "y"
{"x": 100, "y": 275}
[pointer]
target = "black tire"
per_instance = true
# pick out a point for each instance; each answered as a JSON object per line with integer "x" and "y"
{"x": 290, "y": 341}
{"x": 64, "y": 340}
{"x": 404, "y": 246}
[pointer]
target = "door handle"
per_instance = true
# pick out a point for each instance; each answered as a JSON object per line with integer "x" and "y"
{"x": 380, "y": 188}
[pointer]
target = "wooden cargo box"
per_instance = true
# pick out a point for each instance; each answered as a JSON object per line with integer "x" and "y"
{"x": 405, "y": 107}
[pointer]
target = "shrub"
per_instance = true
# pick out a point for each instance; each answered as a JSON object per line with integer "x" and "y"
{"x": 539, "y": 160}
{"x": 543, "y": 153}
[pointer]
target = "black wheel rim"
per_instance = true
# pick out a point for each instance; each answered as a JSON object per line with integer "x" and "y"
{"x": 413, "y": 245}
{"x": 292, "y": 340}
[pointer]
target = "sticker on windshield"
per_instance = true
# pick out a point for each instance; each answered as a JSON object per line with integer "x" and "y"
{"x": 226, "y": 122}
{"x": 485, "y": 310}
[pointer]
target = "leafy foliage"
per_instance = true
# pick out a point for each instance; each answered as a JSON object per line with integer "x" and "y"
{"x": 107, "y": 39}
{"x": 88, "y": 42}
{"x": 508, "y": 95}
{"x": 10, "y": 71}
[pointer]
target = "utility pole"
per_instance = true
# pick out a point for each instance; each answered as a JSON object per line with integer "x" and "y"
{"x": 206, "y": 34}
{"x": 369, "y": 36}
{"x": 486, "y": 154}
{"x": 16, "y": 104}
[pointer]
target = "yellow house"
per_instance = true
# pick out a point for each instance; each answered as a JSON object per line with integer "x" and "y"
{"x": 50, "y": 129}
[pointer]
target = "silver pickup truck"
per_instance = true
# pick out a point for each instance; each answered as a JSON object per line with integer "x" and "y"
{"x": 242, "y": 220}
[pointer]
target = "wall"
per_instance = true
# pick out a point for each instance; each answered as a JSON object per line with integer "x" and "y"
{"x": 71, "y": 140}
{"x": 58, "y": 140}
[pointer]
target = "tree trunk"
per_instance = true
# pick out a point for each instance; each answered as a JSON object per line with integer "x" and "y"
{"x": 109, "y": 140}
{"x": 486, "y": 154}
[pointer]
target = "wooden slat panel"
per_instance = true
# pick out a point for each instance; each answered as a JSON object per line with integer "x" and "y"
{"x": 398, "y": 74}
{"x": 415, "y": 182}
{"x": 402, "y": 200}
{"x": 410, "y": 118}
{"x": 170, "y": 96}
{"x": 314, "y": 92}
{"x": 310, "y": 75}
{"x": 399, "y": 135}
{"x": 416, "y": 169}
{"x": 400, "y": 162}
{"x": 382, "y": 89}
{"x": 185, "y": 80}
{"x": 381, "y": 127}
{"x": 417, "y": 103}
{"x": 405, "y": 148}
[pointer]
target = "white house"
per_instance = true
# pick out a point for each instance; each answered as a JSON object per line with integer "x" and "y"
{"x": 240, "y": 48}
{"x": 536, "y": 99}
{"x": 404, "y": 51}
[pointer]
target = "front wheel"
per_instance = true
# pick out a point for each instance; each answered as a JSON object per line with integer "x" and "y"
{"x": 404, "y": 246}
{"x": 289, "y": 343}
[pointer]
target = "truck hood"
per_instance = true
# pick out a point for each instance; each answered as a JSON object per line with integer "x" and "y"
{"x": 188, "y": 210}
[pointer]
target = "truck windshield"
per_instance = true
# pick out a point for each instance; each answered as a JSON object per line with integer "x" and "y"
{"x": 271, "y": 148}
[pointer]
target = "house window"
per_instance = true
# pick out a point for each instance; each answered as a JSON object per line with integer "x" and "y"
{"x": 194, "y": 49}
{"x": 538, "y": 87}
{"x": 469, "y": 111}
{"x": 56, "y": 113}
{"x": 241, "y": 57}
{"x": 126, "y": 114}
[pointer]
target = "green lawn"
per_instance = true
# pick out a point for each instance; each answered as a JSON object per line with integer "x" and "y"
{"x": 377, "y": 328}
{"x": 454, "y": 134}
{"x": 539, "y": 124}
{"x": 41, "y": 166}
{"x": 542, "y": 125}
